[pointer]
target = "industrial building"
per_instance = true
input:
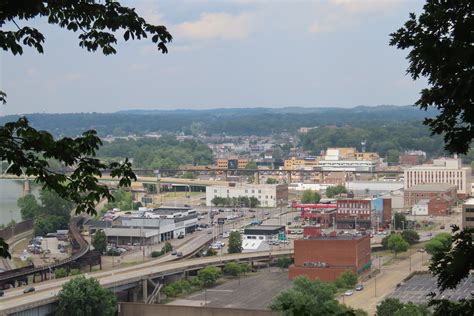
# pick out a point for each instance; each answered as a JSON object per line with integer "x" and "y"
{"x": 438, "y": 198}
{"x": 149, "y": 226}
{"x": 326, "y": 257}
{"x": 348, "y": 159}
{"x": 441, "y": 171}
{"x": 269, "y": 195}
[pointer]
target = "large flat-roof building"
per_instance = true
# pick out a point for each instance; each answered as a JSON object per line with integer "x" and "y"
{"x": 442, "y": 170}
{"x": 326, "y": 257}
{"x": 269, "y": 195}
{"x": 348, "y": 159}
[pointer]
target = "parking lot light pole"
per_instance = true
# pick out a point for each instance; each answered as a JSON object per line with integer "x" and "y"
{"x": 375, "y": 281}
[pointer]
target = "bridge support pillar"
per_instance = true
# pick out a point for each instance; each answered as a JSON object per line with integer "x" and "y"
{"x": 135, "y": 294}
{"x": 26, "y": 187}
{"x": 145, "y": 290}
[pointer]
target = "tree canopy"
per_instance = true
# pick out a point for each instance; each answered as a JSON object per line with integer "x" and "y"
{"x": 440, "y": 48}
{"x": 397, "y": 244}
{"x": 310, "y": 196}
{"x": 99, "y": 241}
{"x": 310, "y": 298}
{"x": 85, "y": 297}
{"x": 235, "y": 242}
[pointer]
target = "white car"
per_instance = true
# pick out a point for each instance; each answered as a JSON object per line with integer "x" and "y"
{"x": 348, "y": 293}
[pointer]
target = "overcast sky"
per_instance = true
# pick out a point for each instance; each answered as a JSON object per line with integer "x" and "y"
{"x": 224, "y": 54}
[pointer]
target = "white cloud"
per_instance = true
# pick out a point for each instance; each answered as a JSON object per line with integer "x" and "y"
{"x": 217, "y": 26}
{"x": 342, "y": 14}
{"x": 358, "y": 6}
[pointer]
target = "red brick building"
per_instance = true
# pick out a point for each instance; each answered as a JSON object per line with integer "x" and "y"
{"x": 325, "y": 257}
{"x": 439, "y": 206}
{"x": 419, "y": 192}
{"x": 354, "y": 213}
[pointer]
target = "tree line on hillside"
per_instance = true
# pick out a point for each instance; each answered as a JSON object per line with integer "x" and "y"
{"x": 257, "y": 121}
{"x": 163, "y": 153}
{"x": 388, "y": 140}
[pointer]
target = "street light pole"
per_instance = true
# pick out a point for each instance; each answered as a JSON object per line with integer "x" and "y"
{"x": 375, "y": 285}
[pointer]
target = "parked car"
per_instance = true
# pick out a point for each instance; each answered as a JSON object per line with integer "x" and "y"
{"x": 29, "y": 290}
{"x": 181, "y": 236}
{"x": 348, "y": 293}
{"x": 359, "y": 287}
{"x": 179, "y": 254}
{"x": 421, "y": 250}
{"x": 2, "y": 292}
{"x": 174, "y": 252}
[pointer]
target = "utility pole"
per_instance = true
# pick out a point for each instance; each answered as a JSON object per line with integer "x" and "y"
{"x": 375, "y": 285}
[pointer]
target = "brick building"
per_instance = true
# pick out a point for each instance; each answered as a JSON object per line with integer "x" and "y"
{"x": 326, "y": 257}
{"x": 354, "y": 213}
{"x": 440, "y": 196}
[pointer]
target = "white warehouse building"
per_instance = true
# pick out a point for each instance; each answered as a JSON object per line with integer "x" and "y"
{"x": 269, "y": 195}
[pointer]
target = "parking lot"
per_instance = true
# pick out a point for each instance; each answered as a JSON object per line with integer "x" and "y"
{"x": 419, "y": 286}
{"x": 251, "y": 292}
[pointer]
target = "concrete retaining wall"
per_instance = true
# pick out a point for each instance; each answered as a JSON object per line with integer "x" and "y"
{"x": 132, "y": 309}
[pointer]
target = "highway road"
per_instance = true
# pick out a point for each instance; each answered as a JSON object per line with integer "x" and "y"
{"x": 15, "y": 300}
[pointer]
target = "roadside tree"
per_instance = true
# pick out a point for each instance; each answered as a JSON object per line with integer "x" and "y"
{"x": 232, "y": 268}
{"x": 235, "y": 242}
{"x": 346, "y": 280}
{"x": 397, "y": 244}
{"x": 99, "y": 241}
{"x": 410, "y": 236}
{"x": 308, "y": 297}
{"x": 441, "y": 243}
{"x": 209, "y": 275}
{"x": 284, "y": 262}
{"x": 83, "y": 296}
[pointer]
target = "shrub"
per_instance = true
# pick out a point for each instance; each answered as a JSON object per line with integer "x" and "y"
{"x": 155, "y": 254}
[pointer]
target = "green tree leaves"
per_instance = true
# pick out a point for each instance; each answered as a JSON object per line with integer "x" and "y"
{"x": 97, "y": 21}
{"x": 440, "y": 49}
{"x": 335, "y": 191}
{"x": 310, "y": 298}
{"x": 235, "y": 242}
{"x": 209, "y": 275}
{"x": 29, "y": 207}
{"x": 85, "y": 297}
{"x": 99, "y": 241}
{"x": 397, "y": 244}
{"x": 410, "y": 236}
{"x": 310, "y": 196}
{"x": 346, "y": 280}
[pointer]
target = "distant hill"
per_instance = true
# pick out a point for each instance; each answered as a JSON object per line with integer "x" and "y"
{"x": 233, "y": 121}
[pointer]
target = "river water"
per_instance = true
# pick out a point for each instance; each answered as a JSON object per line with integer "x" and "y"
{"x": 10, "y": 191}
